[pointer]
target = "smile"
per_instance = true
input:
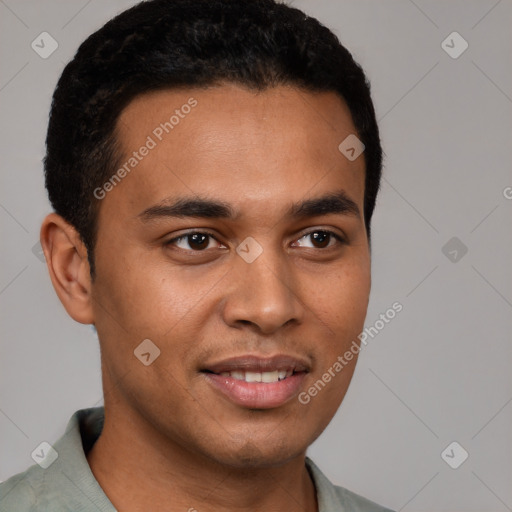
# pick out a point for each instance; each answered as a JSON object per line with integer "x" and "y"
{"x": 256, "y": 382}
{"x": 266, "y": 377}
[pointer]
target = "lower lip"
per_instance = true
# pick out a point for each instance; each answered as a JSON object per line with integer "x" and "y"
{"x": 257, "y": 395}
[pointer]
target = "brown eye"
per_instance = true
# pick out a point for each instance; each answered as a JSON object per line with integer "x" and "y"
{"x": 198, "y": 241}
{"x": 320, "y": 239}
{"x": 195, "y": 242}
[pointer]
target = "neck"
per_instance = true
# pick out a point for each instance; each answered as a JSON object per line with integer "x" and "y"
{"x": 139, "y": 469}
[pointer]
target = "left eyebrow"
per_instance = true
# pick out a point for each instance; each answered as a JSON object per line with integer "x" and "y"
{"x": 337, "y": 203}
{"x": 197, "y": 207}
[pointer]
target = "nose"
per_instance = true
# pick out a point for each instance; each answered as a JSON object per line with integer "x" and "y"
{"x": 263, "y": 294}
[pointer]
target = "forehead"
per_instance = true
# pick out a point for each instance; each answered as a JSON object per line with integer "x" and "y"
{"x": 251, "y": 149}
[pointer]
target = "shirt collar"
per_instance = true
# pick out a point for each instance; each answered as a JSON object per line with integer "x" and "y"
{"x": 81, "y": 433}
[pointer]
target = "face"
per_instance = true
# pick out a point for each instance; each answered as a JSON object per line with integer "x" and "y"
{"x": 236, "y": 243}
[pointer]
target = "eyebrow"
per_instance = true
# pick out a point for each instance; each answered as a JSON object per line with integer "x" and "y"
{"x": 197, "y": 207}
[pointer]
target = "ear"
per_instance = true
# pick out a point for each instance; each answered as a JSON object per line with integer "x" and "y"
{"x": 66, "y": 258}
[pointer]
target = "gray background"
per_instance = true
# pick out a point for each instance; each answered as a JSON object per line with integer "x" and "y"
{"x": 440, "y": 371}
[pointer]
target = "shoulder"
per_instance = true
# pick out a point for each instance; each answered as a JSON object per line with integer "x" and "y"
{"x": 333, "y": 498}
{"x": 35, "y": 490}
{"x": 31, "y": 491}
{"x": 16, "y": 494}
{"x": 56, "y": 485}
{"x": 355, "y": 502}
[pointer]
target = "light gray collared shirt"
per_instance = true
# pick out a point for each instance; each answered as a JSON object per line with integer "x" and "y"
{"x": 68, "y": 484}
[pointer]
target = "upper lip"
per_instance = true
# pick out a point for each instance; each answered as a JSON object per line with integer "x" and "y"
{"x": 255, "y": 363}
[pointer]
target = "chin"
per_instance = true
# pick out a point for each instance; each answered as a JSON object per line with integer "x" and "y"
{"x": 260, "y": 454}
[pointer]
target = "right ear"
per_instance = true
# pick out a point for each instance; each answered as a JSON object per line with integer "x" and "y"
{"x": 66, "y": 258}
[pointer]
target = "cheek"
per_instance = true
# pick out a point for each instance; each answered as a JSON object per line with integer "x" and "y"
{"x": 341, "y": 298}
{"x": 342, "y": 310}
{"x": 145, "y": 297}
{"x": 325, "y": 391}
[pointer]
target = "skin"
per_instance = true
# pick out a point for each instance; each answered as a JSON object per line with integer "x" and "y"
{"x": 175, "y": 442}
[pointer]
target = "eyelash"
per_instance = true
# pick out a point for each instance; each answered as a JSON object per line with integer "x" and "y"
{"x": 336, "y": 236}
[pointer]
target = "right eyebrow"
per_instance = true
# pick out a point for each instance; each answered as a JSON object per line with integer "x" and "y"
{"x": 189, "y": 207}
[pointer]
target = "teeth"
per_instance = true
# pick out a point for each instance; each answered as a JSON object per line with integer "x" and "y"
{"x": 267, "y": 377}
{"x": 270, "y": 376}
{"x": 252, "y": 377}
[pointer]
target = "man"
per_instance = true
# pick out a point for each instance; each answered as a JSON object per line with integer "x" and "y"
{"x": 213, "y": 167}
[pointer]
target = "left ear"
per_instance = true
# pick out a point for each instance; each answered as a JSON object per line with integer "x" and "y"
{"x": 66, "y": 258}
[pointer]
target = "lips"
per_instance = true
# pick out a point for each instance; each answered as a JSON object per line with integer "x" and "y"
{"x": 257, "y": 382}
{"x": 252, "y": 363}
{"x": 266, "y": 377}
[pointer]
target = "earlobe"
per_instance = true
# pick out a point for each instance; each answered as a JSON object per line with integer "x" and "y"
{"x": 66, "y": 258}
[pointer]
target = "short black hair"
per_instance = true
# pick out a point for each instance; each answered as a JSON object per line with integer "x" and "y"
{"x": 166, "y": 44}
